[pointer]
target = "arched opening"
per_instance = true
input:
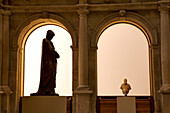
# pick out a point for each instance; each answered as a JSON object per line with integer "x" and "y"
{"x": 123, "y": 52}
{"x": 62, "y": 42}
{"x": 23, "y": 33}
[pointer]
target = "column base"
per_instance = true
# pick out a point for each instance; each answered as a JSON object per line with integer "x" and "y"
{"x": 165, "y": 98}
{"x": 83, "y": 101}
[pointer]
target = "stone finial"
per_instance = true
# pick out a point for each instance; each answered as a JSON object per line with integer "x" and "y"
{"x": 122, "y": 12}
{"x": 125, "y": 87}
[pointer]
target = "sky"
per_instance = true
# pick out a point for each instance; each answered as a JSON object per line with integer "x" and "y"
{"x": 122, "y": 53}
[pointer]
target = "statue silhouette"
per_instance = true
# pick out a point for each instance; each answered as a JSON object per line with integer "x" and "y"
{"x": 48, "y": 66}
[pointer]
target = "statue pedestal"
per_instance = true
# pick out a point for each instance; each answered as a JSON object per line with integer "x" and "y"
{"x": 126, "y": 105}
{"x": 43, "y": 104}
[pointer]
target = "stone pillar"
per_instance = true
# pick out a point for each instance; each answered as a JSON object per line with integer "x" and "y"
{"x": 5, "y": 48}
{"x": 83, "y": 47}
{"x": 0, "y": 44}
{"x": 165, "y": 57}
{"x": 83, "y": 92}
{"x": 5, "y": 62}
{"x": 0, "y": 54}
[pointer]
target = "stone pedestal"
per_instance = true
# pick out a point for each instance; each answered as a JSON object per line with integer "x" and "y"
{"x": 43, "y": 104}
{"x": 126, "y": 105}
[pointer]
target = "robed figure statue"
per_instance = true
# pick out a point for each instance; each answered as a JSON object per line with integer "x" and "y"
{"x": 48, "y": 66}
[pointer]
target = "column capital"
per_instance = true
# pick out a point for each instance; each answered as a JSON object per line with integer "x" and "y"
{"x": 164, "y": 5}
{"x": 5, "y": 12}
{"x": 82, "y": 1}
{"x": 82, "y": 9}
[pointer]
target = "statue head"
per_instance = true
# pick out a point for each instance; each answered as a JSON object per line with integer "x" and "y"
{"x": 50, "y": 34}
{"x": 125, "y": 81}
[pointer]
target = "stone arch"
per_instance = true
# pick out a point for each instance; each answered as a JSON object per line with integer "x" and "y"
{"x": 134, "y": 19}
{"x": 40, "y": 20}
{"x": 26, "y": 28}
{"x": 131, "y": 18}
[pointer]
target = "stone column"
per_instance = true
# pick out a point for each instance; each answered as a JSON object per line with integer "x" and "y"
{"x": 0, "y": 54}
{"x": 83, "y": 47}
{"x": 83, "y": 92}
{"x": 0, "y": 44}
{"x": 5, "y": 61}
{"x": 165, "y": 57}
{"x": 5, "y": 48}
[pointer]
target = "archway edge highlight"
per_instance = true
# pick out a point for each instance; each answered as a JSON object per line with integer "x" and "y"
{"x": 130, "y": 18}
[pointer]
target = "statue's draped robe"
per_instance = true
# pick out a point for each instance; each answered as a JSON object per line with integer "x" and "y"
{"x": 48, "y": 67}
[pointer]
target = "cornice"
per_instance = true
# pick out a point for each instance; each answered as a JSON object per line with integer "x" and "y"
{"x": 90, "y": 7}
{"x": 125, "y": 6}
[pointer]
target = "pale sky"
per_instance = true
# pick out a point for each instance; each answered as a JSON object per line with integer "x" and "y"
{"x": 122, "y": 53}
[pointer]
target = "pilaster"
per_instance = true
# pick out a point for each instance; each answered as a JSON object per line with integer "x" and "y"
{"x": 165, "y": 48}
{"x": 83, "y": 47}
{"x": 0, "y": 45}
{"x": 83, "y": 92}
{"x": 0, "y": 55}
{"x": 5, "y": 48}
{"x": 4, "y": 61}
{"x": 165, "y": 56}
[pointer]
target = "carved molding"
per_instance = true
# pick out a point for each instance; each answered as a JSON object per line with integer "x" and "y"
{"x": 165, "y": 90}
{"x": 82, "y": 9}
{"x": 45, "y": 14}
{"x": 5, "y": 90}
{"x": 122, "y": 12}
{"x": 91, "y": 7}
